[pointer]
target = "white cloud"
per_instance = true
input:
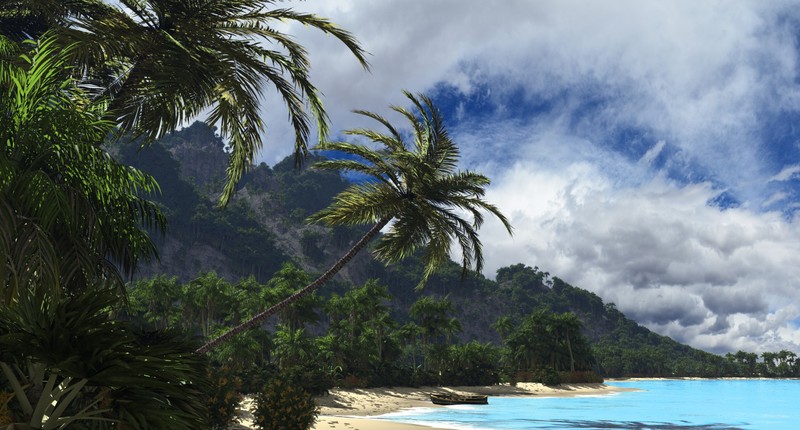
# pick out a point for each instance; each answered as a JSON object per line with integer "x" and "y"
{"x": 698, "y": 75}
{"x": 652, "y": 153}
{"x": 775, "y": 198}
{"x": 787, "y": 173}
{"x": 658, "y": 251}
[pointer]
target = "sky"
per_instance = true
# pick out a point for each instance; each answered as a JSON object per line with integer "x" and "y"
{"x": 647, "y": 151}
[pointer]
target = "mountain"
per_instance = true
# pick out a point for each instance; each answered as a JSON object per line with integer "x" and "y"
{"x": 263, "y": 227}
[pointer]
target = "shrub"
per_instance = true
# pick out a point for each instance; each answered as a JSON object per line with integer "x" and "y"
{"x": 101, "y": 367}
{"x": 283, "y": 406}
{"x": 6, "y": 417}
{"x": 224, "y": 399}
{"x": 546, "y": 376}
{"x": 352, "y": 381}
{"x": 578, "y": 377}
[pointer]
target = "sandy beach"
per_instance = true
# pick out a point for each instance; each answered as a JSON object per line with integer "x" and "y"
{"x": 351, "y": 409}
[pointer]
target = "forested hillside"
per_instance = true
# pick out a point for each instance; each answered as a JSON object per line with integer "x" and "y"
{"x": 264, "y": 228}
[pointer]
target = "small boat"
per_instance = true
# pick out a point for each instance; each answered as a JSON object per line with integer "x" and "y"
{"x": 457, "y": 399}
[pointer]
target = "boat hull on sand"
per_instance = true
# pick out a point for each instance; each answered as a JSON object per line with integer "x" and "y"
{"x": 455, "y": 399}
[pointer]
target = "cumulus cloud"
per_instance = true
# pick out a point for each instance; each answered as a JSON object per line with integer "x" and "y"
{"x": 658, "y": 251}
{"x": 624, "y": 214}
{"x": 698, "y": 75}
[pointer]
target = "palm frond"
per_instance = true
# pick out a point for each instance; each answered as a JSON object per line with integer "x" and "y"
{"x": 170, "y": 60}
{"x": 71, "y": 214}
{"x": 427, "y": 196}
{"x": 360, "y": 204}
{"x": 371, "y": 160}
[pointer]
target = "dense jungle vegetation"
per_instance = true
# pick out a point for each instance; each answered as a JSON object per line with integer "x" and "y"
{"x": 96, "y": 332}
{"x": 520, "y": 322}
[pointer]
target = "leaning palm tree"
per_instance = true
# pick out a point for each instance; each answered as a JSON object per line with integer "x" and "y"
{"x": 164, "y": 62}
{"x": 414, "y": 183}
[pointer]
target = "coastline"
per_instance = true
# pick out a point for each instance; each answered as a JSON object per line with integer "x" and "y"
{"x": 352, "y": 409}
{"x": 356, "y": 409}
{"x": 342, "y": 415}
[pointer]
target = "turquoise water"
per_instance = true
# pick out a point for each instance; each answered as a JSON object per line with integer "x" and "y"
{"x": 661, "y": 405}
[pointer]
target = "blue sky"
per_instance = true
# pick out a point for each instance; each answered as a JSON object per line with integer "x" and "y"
{"x": 648, "y": 151}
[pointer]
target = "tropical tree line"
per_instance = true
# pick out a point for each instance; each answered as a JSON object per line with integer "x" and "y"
{"x": 356, "y": 339}
{"x": 662, "y": 361}
{"x": 78, "y": 76}
{"x": 359, "y": 338}
{"x": 781, "y": 364}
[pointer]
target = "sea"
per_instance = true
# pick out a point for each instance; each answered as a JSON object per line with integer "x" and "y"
{"x": 660, "y": 404}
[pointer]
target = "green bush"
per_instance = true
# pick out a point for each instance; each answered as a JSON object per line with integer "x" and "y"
{"x": 546, "y": 376}
{"x": 579, "y": 377}
{"x": 284, "y": 406}
{"x": 224, "y": 398}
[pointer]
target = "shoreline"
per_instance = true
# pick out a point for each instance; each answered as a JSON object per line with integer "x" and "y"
{"x": 360, "y": 409}
{"x": 379, "y": 401}
{"x": 357, "y": 409}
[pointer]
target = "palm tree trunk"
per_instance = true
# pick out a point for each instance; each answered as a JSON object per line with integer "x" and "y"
{"x": 325, "y": 277}
{"x": 571, "y": 357}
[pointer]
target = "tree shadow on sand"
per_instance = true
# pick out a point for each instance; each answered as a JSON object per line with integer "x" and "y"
{"x": 638, "y": 425}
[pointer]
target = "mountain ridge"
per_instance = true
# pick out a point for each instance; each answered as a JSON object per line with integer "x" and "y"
{"x": 263, "y": 227}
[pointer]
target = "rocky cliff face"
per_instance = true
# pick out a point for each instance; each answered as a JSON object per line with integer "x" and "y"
{"x": 200, "y": 164}
{"x": 262, "y": 227}
{"x": 201, "y": 155}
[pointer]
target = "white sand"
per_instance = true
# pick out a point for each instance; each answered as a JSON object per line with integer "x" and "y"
{"x": 351, "y": 409}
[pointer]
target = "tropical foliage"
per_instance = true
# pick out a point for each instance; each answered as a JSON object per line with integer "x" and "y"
{"x": 70, "y": 215}
{"x": 67, "y": 364}
{"x": 164, "y": 62}
{"x": 281, "y": 405}
{"x": 72, "y": 223}
{"x": 414, "y": 183}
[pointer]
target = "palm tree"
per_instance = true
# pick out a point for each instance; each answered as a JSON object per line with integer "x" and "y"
{"x": 208, "y": 300}
{"x": 504, "y": 325}
{"x": 360, "y": 320}
{"x": 433, "y": 316}
{"x": 566, "y": 326}
{"x": 164, "y": 62}
{"x": 156, "y": 300}
{"x": 292, "y": 347}
{"x": 414, "y": 183}
{"x": 283, "y": 284}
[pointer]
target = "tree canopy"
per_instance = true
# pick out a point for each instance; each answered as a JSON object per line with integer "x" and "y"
{"x": 417, "y": 184}
{"x": 161, "y": 63}
{"x": 70, "y": 215}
